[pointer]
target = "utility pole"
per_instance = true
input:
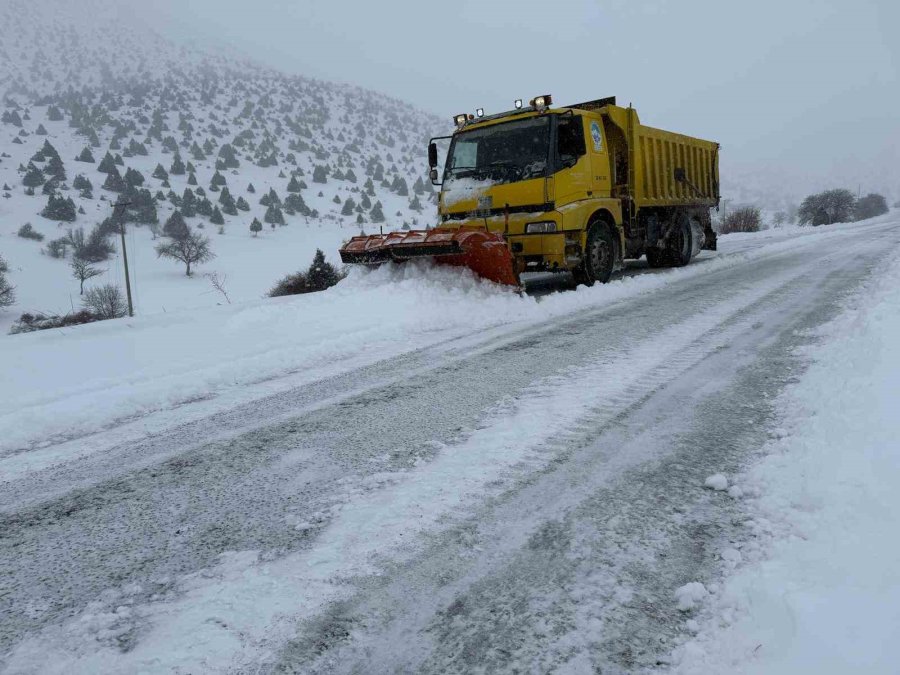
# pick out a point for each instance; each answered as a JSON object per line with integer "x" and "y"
{"x": 125, "y": 258}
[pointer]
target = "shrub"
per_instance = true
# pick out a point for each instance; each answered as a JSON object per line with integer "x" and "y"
{"x": 105, "y": 301}
{"x": 825, "y": 208}
{"x": 7, "y": 290}
{"x": 28, "y": 323}
{"x": 28, "y": 232}
{"x": 56, "y": 248}
{"x": 745, "y": 219}
{"x": 870, "y": 206}
{"x": 319, "y": 276}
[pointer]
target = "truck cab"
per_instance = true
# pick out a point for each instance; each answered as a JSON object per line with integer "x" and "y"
{"x": 545, "y": 177}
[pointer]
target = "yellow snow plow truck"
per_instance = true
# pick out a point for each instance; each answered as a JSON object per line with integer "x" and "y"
{"x": 579, "y": 188}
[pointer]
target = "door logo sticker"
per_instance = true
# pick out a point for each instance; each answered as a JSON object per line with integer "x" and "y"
{"x": 595, "y": 134}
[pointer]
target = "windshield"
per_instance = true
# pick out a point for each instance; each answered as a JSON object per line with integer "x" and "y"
{"x": 502, "y": 153}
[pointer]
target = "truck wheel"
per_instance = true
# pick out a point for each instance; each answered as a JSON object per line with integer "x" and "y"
{"x": 657, "y": 257}
{"x": 680, "y": 246}
{"x": 599, "y": 256}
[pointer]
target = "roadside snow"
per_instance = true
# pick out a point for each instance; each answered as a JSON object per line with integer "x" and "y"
{"x": 820, "y": 592}
{"x": 690, "y": 595}
{"x": 716, "y": 482}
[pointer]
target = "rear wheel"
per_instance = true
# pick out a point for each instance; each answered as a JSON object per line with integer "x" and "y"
{"x": 657, "y": 257}
{"x": 680, "y": 246}
{"x": 678, "y": 250}
{"x": 599, "y": 256}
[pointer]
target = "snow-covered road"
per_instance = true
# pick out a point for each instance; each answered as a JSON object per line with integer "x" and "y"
{"x": 522, "y": 490}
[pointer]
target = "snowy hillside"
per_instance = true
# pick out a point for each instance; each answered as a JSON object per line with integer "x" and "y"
{"x": 180, "y": 126}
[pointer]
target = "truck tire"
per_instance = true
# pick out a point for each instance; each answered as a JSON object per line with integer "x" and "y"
{"x": 599, "y": 256}
{"x": 657, "y": 257}
{"x": 680, "y": 245}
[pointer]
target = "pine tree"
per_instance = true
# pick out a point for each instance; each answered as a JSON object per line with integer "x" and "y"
{"x": 177, "y": 168}
{"x": 192, "y": 179}
{"x": 217, "y": 179}
{"x": 34, "y": 177}
{"x": 107, "y": 164}
{"x": 251, "y": 189}
{"x": 160, "y": 173}
{"x": 204, "y": 207}
{"x": 85, "y": 156}
{"x": 133, "y": 177}
{"x": 376, "y": 213}
{"x": 216, "y": 217}
{"x": 294, "y": 203}
{"x": 274, "y": 215}
{"x": 419, "y": 186}
{"x": 242, "y": 204}
{"x": 349, "y": 205}
{"x": 321, "y": 274}
{"x": 55, "y": 168}
{"x": 175, "y": 227}
{"x": 227, "y": 158}
{"x": 82, "y": 183}
{"x": 293, "y": 185}
{"x": 255, "y": 226}
{"x": 114, "y": 181}
{"x": 320, "y": 175}
{"x": 59, "y": 208}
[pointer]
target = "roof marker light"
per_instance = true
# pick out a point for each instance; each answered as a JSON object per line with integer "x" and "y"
{"x": 518, "y": 103}
{"x": 479, "y": 112}
{"x": 541, "y": 102}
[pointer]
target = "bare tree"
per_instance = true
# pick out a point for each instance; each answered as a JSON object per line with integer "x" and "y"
{"x": 744, "y": 219}
{"x": 105, "y": 301}
{"x": 192, "y": 249}
{"x": 7, "y": 290}
{"x": 218, "y": 283}
{"x": 82, "y": 270}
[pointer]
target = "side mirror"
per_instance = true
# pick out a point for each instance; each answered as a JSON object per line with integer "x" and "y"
{"x": 433, "y": 175}
{"x": 432, "y": 155}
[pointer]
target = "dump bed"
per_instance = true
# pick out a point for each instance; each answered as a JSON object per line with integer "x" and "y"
{"x": 665, "y": 168}
{"x": 659, "y": 154}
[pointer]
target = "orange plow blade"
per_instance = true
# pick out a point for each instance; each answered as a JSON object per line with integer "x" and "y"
{"x": 485, "y": 253}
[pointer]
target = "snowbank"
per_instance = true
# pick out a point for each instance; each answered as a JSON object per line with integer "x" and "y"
{"x": 821, "y": 591}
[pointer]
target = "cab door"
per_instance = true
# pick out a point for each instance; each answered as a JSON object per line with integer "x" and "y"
{"x": 572, "y": 179}
{"x": 598, "y": 151}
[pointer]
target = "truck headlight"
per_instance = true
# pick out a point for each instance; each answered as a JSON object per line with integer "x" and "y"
{"x": 542, "y": 227}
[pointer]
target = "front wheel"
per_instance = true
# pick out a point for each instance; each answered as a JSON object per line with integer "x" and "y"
{"x": 599, "y": 256}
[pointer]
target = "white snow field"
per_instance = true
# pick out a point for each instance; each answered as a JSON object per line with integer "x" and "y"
{"x": 419, "y": 472}
{"x": 819, "y": 590}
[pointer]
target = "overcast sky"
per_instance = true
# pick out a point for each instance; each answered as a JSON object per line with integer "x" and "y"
{"x": 795, "y": 87}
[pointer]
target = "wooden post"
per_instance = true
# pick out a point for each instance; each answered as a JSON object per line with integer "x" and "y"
{"x": 125, "y": 260}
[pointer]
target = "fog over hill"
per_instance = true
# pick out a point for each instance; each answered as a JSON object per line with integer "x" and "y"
{"x": 98, "y": 108}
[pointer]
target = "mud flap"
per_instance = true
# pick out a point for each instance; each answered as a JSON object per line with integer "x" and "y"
{"x": 709, "y": 237}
